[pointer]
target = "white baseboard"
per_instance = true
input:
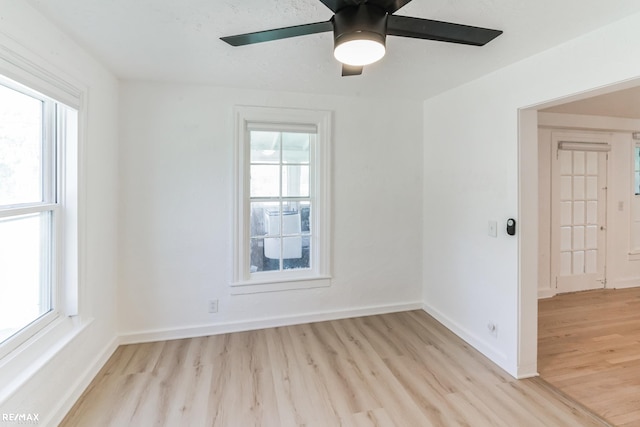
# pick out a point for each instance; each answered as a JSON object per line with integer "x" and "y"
{"x": 527, "y": 372}
{"x": 271, "y": 322}
{"x": 546, "y": 293}
{"x": 624, "y": 283}
{"x": 82, "y": 382}
{"x": 482, "y": 346}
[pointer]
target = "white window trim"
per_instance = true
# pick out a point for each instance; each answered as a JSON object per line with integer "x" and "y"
{"x": 22, "y": 357}
{"x": 319, "y": 275}
{"x": 61, "y": 196}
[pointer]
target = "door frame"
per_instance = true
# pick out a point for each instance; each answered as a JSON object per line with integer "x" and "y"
{"x": 528, "y": 248}
{"x": 603, "y": 141}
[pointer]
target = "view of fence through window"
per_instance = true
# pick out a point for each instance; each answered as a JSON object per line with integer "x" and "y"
{"x": 25, "y": 231}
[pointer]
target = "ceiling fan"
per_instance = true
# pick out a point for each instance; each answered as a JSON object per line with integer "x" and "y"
{"x": 360, "y": 28}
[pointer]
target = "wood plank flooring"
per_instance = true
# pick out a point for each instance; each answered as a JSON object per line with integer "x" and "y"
{"x": 401, "y": 369}
{"x": 589, "y": 348}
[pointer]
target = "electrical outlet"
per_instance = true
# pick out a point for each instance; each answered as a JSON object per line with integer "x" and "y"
{"x": 213, "y": 306}
{"x": 493, "y": 329}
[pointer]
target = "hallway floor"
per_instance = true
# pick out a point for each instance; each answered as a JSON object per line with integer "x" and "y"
{"x": 589, "y": 348}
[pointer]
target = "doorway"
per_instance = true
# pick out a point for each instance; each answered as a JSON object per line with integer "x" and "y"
{"x": 618, "y": 102}
{"x": 579, "y": 165}
{"x": 589, "y": 246}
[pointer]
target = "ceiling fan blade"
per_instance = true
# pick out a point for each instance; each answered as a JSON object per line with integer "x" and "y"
{"x": 390, "y": 6}
{"x": 351, "y": 70}
{"x": 278, "y": 33}
{"x": 336, "y": 5}
{"x": 418, "y": 28}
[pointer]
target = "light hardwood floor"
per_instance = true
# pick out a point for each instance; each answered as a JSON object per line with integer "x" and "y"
{"x": 589, "y": 348}
{"x": 401, "y": 369}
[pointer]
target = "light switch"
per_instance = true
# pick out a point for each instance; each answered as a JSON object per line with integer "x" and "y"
{"x": 493, "y": 228}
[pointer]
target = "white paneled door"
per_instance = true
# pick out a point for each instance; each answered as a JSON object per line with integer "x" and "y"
{"x": 579, "y": 192}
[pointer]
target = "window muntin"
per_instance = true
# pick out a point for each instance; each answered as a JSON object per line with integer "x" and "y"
{"x": 29, "y": 210}
{"x": 282, "y": 203}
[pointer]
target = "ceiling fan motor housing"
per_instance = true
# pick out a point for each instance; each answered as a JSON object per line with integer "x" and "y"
{"x": 362, "y": 22}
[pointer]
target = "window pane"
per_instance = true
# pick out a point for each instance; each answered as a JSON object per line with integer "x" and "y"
{"x": 291, "y": 224}
{"x": 305, "y": 217}
{"x": 259, "y": 261}
{"x": 295, "y": 255}
{"x": 295, "y": 148}
{"x": 265, "y": 181}
{"x": 265, "y": 147}
{"x": 302, "y": 208}
{"x": 265, "y": 218}
{"x": 288, "y": 243}
{"x": 272, "y": 218}
{"x": 637, "y": 186}
{"x": 295, "y": 181}
{"x": 24, "y": 271}
{"x": 20, "y": 148}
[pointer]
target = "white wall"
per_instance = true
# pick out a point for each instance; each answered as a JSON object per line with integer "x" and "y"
{"x": 622, "y": 269}
{"x": 174, "y": 197}
{"x": 49, "y": 380}
{"x": 472, "y": 157}
{"x": 176, "y": 164}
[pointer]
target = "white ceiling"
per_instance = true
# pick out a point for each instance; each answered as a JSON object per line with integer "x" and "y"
{"x": 178, "y": 41}
{"x": 622, "y": 103}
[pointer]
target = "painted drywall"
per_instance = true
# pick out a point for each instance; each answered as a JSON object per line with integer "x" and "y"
{"x": 621, "y": 269}
{"x": 48, "y": 378}
{"x": 176, "y": 183}
{"x": 472, "y": 158}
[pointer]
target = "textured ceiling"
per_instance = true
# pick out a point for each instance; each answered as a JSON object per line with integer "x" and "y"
{"x": 178, "y": 41}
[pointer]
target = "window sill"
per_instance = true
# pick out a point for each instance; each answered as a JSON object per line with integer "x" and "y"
{"x": 278, "y": 285}
{"x": 634, "y": 256}
{"x": 17, "y": 367}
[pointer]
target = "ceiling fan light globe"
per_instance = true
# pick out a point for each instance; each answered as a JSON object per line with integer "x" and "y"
{"x": 359, "y": 52}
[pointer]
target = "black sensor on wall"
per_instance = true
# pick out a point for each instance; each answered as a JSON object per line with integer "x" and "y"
{"x": 370, "y": 21}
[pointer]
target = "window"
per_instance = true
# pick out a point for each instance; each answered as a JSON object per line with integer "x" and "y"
{"x": 33, "y": 131}
{"x": 282, "y": 221}
{"x": 281, "y": 201}
{"x": 636, "y": 156}
{"x": 634, "y": 250}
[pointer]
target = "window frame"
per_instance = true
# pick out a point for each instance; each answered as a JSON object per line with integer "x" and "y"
{"x": 282, "y": 119}
{"x": 634, "y": 156}
{"x": 49, "y": 204}
{"x": 634, "y": 198}
{"x": 60, "y": 145}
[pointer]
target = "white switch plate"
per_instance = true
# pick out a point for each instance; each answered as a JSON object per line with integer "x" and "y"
{"x": 493, "y": 228}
